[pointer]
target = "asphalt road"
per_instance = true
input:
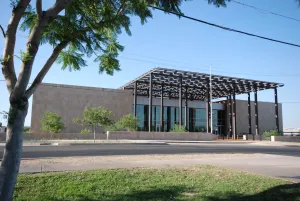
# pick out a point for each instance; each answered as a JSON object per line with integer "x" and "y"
{"x": 141, "y": 149}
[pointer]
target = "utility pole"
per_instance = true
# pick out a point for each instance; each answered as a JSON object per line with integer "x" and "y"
{"x": 211, "y": 105}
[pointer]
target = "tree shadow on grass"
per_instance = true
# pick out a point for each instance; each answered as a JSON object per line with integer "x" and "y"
{"x": 153, "y": 194}
{"x": 288, "y": 192}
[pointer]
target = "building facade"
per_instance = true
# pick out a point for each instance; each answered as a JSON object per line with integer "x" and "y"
{"x": 198, "y": 112}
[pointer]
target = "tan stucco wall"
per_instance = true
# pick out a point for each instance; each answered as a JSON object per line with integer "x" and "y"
{"x": 69, "y": 101}
{"x": 266, "y": 116}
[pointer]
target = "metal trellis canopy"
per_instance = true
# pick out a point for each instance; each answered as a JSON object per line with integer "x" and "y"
{"x": 194, "y": 84}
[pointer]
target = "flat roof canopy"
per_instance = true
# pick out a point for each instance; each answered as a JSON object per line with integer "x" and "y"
{"x": 195, "y": 85}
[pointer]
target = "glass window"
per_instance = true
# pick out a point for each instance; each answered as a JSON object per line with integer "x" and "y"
{"x": 140, "y": 115}
{"x": 197, "y": 120}
{"x": 155, "y": 118}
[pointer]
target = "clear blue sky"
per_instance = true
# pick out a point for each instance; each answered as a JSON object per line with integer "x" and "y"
{"x": 167, "y": 41}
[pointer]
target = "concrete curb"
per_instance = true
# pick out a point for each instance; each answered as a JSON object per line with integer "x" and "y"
{"x": 88, "y": 143}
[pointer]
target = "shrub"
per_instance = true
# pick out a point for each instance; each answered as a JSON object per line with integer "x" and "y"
{"x": 85, "y": 131}
{"x": 112, "y": 127}
{"x": 268, "y": 134}
{"x": 272, "y": 133}
{"x": 178, "y": 128}
{"x": 26, "y": 129}
{"x": 128, "y": 122}
{"x": 52, "y": 123}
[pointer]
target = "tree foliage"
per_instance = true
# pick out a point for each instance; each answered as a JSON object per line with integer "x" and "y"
{"x": 95, "y": 117}
{"x": 128, "y": 122}
{"x": 52, "y": 123}
{"x": 90, "y": 28}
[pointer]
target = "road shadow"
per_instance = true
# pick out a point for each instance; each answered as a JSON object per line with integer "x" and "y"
{"x": 289, "y": 192}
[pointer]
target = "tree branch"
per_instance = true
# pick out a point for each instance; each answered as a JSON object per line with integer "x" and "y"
{"x": 8, "y": 68}
{"x": 121, "y": 7}
{"x": 39, "y": 9}
{"x": 33, "y": 46}
{"x": 57, "y": 7}
{"x": 39, "y": 78}
{"x": 3, "y": 32}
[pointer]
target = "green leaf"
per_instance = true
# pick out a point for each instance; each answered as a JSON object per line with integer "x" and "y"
{"x": 71, "y": 59}
{"x": 91, "y": 28}
{"x": 52, "y": 123}
{"x": 94, "y": 117}
{"x": 128, "y": 122}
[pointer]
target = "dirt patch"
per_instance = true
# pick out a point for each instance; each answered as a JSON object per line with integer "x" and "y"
{"x": 91, "y": 159}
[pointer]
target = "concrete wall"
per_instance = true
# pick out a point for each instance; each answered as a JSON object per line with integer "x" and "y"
{"x": 121, "y": 135}
{"x": 58, "y": 136}
{"x": 69, "y": 102}
{"x": 266, "y": 116}
{"x": 285, "y": 138}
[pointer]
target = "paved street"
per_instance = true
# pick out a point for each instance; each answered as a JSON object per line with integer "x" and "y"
{"x": 276, "y": 161}
{"x": 155, "y": 148}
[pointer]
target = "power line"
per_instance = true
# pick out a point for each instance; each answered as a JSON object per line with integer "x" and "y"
{"x": 204, "y": 67}
{"x": 226, "y": 28}
{"x": 159, "y": 63}
{"x": 265, "y": 11}
{"x": 172, "y": 61}
{"x": 219, "y": 70}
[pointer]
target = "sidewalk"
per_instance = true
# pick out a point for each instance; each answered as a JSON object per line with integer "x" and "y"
{"x": 91, "y": 142}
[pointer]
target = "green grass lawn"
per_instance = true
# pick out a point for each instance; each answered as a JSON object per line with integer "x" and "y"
{"x": 194, "y": 183}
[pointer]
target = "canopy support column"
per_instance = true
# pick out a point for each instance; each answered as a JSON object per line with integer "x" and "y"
{"x": 276, "y": 109}
{"x": 180, "y": 101}
{"x": 135, "y": 99}
{"x": 186, "y": 109}
{"x": 230, "y": 116}
{"x": 162, "y": 109}
{"x": 150, "y": 102}
{"x": 208, "y": 109}
{"x": 234, "y": 115}
{"x": 256, "y": 113}
{"x": 249, "y": 116}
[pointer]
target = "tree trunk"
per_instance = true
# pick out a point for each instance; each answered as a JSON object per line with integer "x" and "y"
{"x": 94, "y": 134}
{"x": 13, "y": 149}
